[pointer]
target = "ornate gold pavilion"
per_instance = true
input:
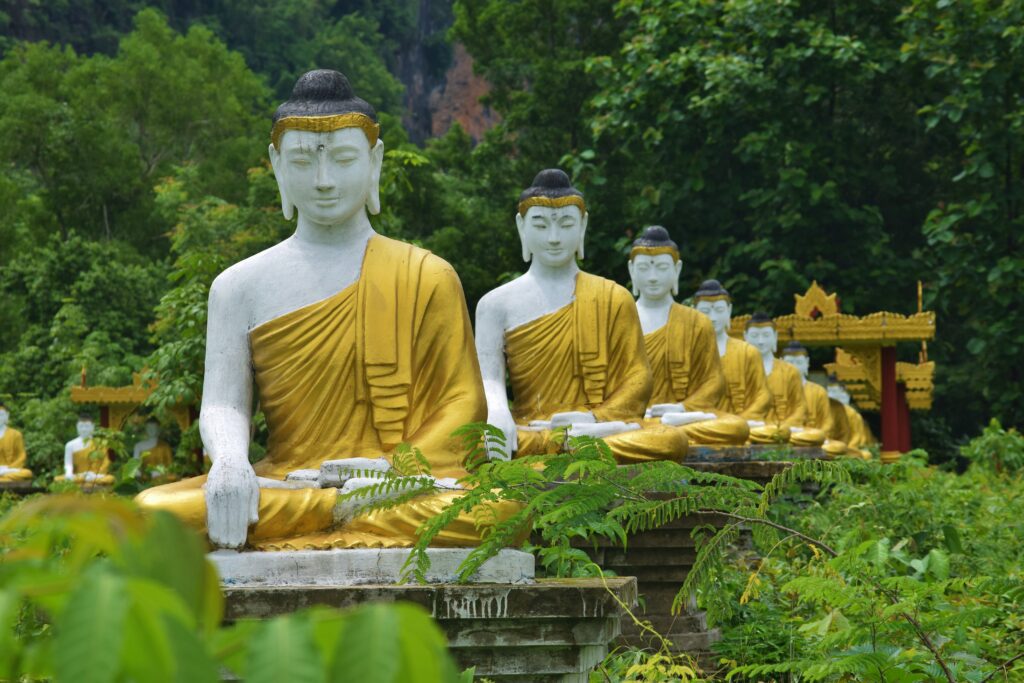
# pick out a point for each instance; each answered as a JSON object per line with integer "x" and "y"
{"x": 117, "y": 404}
{"x": 865, "y": 358}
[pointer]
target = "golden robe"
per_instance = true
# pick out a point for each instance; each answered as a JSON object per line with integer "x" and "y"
{"x": 747, "y": 393}
{"x": 819, "y": 413}
{"x": 587, "y": 356}
{"x": 789, "y": 409}
{"x": 160, "y": 455}
{"x": 686, "y": 369}
{"x": 860, "y": 432}
{"x": 12, "y": 454}
{"x": 90, "y": 459}
{"x": 388, "y": 360}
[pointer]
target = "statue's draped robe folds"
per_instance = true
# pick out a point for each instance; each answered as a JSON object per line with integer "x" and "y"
{"x": 686, "y": 369}
{"x": 860, "y": 432}
{"x": 160, "y": 455}
{"x": 789, "y": 407}
{"x": 747, "y": 393}
{"x": 90, "y": 459}
{"x": 587, "y": 356}
{"x": 388, "y": 360}
{"x": 12, "y": 454}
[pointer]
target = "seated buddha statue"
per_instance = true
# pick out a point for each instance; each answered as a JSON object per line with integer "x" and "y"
{"x": 355, "y": 344}
{"x": 848, "y": 424}
{"x": 84, "y": 461}
{"x": 680, "y": 344}
{"x": 12, "y": 451}
{"x": 747, "y": 393}
{"x": 570, "y": 342}
{"x": 154, "y": 451}
{"x": 819, "y": 411}
{"x": 787, "y": 417}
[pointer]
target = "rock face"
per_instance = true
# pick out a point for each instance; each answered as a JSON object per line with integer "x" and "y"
{"x": 457, "y": 100}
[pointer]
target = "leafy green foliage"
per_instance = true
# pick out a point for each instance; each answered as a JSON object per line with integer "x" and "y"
{"x": 1001, "y": 450}
{"x": 911, "y": 574}
{"x": 93, "y": 591}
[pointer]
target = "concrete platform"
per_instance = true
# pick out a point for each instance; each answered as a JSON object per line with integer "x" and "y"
{"x": 551, "y": 630}
{"x": 361, "y": 567}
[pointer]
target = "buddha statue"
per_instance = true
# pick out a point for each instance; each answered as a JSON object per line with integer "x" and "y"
{"x": 819, "y": 411}
{"x": 848, "y": 424}
{"x": 570, "y": 342}
{"x": 354, "y": 342}
{"x": 680, "y": 344}
{"x": 154, "y": 451}
{"x": 12, "y": 451}
{"x": 84, "y": 461}
{"x": 747, "y": 393}
{"x": 787, "y": 417}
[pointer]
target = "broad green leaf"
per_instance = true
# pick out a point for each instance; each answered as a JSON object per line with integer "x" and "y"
{"x": 938, "y": 564}
{"x": 193, "y": 663}
{"x": 91, "y": 629}
{"x": 283, "y": 650}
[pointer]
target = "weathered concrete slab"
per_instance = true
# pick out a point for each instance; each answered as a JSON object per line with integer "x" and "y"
{"x": 354, "y": 567}
{"x": 20, "y": 488}
{"x": 551, "y": 630}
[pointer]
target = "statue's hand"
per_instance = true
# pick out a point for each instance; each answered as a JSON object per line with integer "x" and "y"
{"x": 755, "y": 423}
{"x": 337, "y": 472}
{"x": 678, "y": 419}
{"x": 4, "y": 469}
{"x": 599, "y": 430}
{"x": 504, "y": 422}
{"x": 232, "y": 502}
{"x": 347, "y": 508}
{"x": 572, "y": 417}
{"x": 659, "y": 409}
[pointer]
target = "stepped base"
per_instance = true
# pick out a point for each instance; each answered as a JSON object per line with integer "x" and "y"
{"x": 553, "y": 630}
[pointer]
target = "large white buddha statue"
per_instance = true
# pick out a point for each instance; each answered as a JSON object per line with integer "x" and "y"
{"x": 12, "y": 451}
{"x": 787, "y": 417}
{"x": 355, "y": 344}
{"x": 84, "y": 460}
{"x": 747, "y": 393}
{"x": 569, "y": 342}
{"x": 680, "y": 342}
{"x": 155, "y": 452}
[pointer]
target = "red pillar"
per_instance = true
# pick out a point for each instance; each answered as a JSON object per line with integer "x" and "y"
{"x": 890, "y": 402}
{"x": 104, "y": 417}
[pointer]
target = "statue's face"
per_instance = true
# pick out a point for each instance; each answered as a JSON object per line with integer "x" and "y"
{"x": 552, "y": 235}
{"x": 328, "y": 177}
{"x": 763, "y": 338}
{"x": 3, "y": 417}
{"x": 152, "y": 429}
{"x": 720, "y": 313}
{"x": 655, "y": 277}
{"x": 839, "y": 393}
{"x": 85, "y": 428}
{"x": 800, "y": 362}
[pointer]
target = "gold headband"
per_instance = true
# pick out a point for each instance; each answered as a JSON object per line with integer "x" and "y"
{"x": 766, "y": 323}
{"x": 712, "y": 297}
{"x": 794, "y": 352}
{"x": 325, "y": 124}
{"x": 654, "y": 251}
{"x": 552, "y": 202}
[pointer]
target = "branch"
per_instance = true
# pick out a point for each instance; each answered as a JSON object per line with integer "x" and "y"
{"x": 1003, "y": 666}
{"x": 774, "y": 525}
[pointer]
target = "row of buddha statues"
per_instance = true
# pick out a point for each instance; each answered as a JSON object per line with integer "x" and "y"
{"x": 353, "y": 344}
{"x": 85, "y": 461}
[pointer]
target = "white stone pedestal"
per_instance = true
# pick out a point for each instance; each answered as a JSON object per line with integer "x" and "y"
{"x": 359, "y": 567}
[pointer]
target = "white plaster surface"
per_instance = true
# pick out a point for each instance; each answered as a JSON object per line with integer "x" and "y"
{"x": 355, "y": 567}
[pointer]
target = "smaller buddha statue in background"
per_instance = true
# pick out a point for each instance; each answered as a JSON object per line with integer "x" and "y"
{"x": 787, "y": 418}
{"x": 680, "y": 344}
{"x": 848, "y": 424}
{"x": 155, "y": 452}
{"x": 747, "y": 393}
{"x": 84, "y": 461}
{"x": 569, "y": 342}
{"x": 12, "y": 451}
{"x": 819, "y": 411}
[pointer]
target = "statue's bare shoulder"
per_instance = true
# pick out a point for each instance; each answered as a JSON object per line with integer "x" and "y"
{"x": 498, "y": 306}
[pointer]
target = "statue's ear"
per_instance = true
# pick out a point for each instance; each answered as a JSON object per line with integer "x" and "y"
{"x": 675, "y": 283}
{"x": 521, "y": 227}
{"x": 287, "y": 207}
{"x": 632, "y": 278}
{"x": 583, "y": 235}
{"x": 376, "y": 162}
{"x": 775, "y": 344}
